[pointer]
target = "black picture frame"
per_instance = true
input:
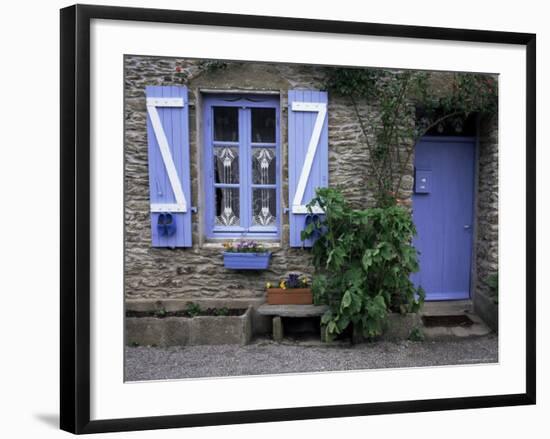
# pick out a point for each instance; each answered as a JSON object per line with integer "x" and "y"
{"x": 75, "y": 217}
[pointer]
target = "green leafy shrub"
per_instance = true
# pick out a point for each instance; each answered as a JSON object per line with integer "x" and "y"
{"x": 363, "y": 260}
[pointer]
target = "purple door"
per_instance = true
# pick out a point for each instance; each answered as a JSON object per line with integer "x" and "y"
{"x": 443, "y": 203}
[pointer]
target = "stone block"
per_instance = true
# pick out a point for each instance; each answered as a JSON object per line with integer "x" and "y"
{"x": 398, "y": 327}
{"x": 181, "y": 331}
{"x": 487, "y": 309}
{"x": 278, "y": 333}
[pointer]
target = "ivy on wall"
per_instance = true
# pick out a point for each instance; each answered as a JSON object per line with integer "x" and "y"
{"x": 390, "y": 132}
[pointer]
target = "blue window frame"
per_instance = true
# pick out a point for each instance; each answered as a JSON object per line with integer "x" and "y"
{"x": 242, "y": 162}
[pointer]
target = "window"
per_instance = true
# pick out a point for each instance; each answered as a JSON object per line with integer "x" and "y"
{"x": 242, "y": 166}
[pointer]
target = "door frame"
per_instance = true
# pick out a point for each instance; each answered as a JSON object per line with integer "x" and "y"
{"x": 473, "y": 256}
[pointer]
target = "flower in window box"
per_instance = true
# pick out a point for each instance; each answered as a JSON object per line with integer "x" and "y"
{"x": 246, "y": 255}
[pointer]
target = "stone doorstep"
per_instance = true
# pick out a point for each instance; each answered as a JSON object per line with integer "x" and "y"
{"x": 453, "y": 332}
{"x": 441, "y": 308}
{"x": 459, "y": 307}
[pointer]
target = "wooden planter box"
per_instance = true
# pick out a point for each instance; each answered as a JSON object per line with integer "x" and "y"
{"x": 291, "y": 296}
{"x": 246, "y": 261}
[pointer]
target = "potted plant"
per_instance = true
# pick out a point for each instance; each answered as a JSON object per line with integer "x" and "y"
{"x": 294, "y": 290}
{"x": 245, "y": 255}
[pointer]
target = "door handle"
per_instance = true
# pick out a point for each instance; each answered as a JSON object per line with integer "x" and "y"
{"x": 467, "y": 226}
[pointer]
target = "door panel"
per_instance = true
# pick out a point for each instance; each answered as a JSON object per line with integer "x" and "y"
{"x": 443, "y": 214}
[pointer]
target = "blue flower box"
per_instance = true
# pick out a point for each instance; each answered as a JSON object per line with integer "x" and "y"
{"x": 246, "y": 261}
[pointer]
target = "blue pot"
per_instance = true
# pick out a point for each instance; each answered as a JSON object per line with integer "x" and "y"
{"x": 246, "y": 261}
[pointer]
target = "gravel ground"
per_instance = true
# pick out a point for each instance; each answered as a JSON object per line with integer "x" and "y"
{"x": 266, "y": 357}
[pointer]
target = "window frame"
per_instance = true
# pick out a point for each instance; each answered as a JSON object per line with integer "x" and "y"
{"x": 244, "y": 102}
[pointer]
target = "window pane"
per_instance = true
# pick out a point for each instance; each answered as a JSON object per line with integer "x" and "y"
{"x": 263, "y": 125}
{"x": 226, "y": 124}
{"x": 263, "y": 166}
{"x": 227, "y": 207}
{"x": 264, "y": 207}
{"x": 226, "y": 165}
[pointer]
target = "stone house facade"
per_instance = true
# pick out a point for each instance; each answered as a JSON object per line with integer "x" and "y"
{"x": 171, "y": 277}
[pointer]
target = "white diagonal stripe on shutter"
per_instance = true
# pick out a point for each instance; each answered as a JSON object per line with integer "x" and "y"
{"x": 321, "y": 109}
{"x": 181, "y": 204}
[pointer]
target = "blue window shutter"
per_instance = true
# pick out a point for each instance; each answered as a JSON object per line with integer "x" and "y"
{"x": 169, "y": 170}
{"x": 307, "y": 131}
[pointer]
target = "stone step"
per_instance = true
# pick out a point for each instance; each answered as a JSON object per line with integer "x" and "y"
{"x": 456, "y": 308}
{"x": 449, "y": 332}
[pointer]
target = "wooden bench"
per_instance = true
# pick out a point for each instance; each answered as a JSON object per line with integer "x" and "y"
{"x": 292, "y": 311}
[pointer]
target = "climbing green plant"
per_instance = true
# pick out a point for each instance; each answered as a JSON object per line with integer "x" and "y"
{"x": 404, "y": 105}
{"x": 363, "y": 260}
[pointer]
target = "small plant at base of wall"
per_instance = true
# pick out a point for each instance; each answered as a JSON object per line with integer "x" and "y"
{"x": 160, "y": 313}
{"x": 416, "y": 335}
{"x": 221, "y": 311}
{"x": 193, "y": 309}
{"x": 492, "y": 281}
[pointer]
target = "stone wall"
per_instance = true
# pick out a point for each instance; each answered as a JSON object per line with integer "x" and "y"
{"x": 486, "y": 257}
{"x": 197, "y": 273}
